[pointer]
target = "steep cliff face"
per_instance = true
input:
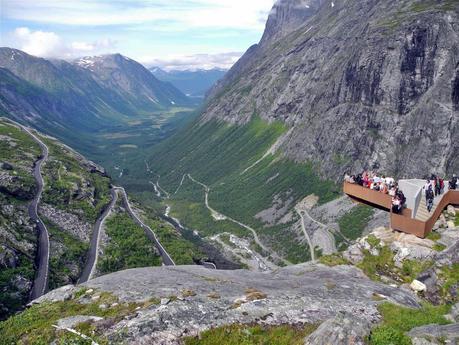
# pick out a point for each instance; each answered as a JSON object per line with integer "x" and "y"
{"x": 287, "y": 16}
{"x": 379, "y": 93}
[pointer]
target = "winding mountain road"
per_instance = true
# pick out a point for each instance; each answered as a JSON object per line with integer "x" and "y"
{"x": 306, "y": 235}
{"x": 327, "y": 242}
{"x": 40, "y": 284}
{"x": 219, "y": 216}
{"x": 167, "y": 260}
{"x": 93, "y": 254}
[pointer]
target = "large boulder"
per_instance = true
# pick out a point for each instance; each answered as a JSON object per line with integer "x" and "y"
{"x": 451, "y": 210}
{"x": 6, "y": 166}
{"x": 354, "y": 254}
{"x": 8, "y": 257}
{"x": 447, "y": 334}
{"x": 344, "y": 329}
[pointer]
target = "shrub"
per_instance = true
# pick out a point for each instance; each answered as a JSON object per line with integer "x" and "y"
{"x": 398, "y": 320}
{"x": 373, "y": 241}
{"x": 333, "y": 260}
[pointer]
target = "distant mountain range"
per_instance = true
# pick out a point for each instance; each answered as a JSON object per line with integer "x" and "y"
{"x": 69, "y": 99}
{"x": 192, "y": 83}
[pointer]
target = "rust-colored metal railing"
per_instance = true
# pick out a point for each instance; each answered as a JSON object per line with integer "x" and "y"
{"x": 368, "y": 196}
{"x": 401, "y": 222}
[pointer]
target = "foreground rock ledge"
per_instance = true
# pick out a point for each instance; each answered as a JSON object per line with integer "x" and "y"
{"x": 195, "y": 298}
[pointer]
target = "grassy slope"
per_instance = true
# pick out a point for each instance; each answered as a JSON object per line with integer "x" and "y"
{"x": 183, "y": 249}
{"x": 65, "y": 267}
{"x": 398, "y": 320}
{"x": 352, "y": 225}
{"x": 216, "y": 154}
{"x": 188, "y": 206}
{"x": 63, "y": 173}
{"x": 253, "y": 335}
{"x": 34, "y": 326}
{"x": 128, "y": 246}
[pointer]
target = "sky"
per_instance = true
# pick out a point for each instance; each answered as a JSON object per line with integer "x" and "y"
{"x": 171, "y": 34}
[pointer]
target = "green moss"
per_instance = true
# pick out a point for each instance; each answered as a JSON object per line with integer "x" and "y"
{"x": 373, "y": 241}
{"x": 397, "y": 320}
{"x": 433, "y": 236}
{"x": 439, "y": 247}
{"x": 333, "y": 260}
{"x": 374, "y": 266}
{"x": 429, "y": 5}
{"x": 411, "y": 269}
{"x": 80, "y": 293}
{"x": 253, "y": 335}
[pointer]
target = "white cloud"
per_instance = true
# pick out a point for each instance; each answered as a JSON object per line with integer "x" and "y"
{"x": 239, "y": 14}
{"x": 193, "y": 62}
{"x": 49, "y": 44}
{"x": 39, "y": 43}
{"x": 169, "y": 33}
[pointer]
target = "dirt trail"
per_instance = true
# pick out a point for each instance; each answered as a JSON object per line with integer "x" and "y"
{"x": 272, "y": 150}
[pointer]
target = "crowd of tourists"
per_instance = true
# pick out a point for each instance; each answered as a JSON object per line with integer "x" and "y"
{"x": 382, "y": 184}
{"x": 436, "y": 186}
{"x": 369, "y": 179}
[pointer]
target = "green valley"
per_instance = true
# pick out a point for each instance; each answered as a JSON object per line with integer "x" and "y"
{"x": 244, "y": 181}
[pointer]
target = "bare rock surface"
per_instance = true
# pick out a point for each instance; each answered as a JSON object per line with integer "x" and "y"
{"x": 354, "y": 91}
{"x": 306, "y": 293}
{"x": 68, "y": 222}
{"x": 344, "y": 329}
{"x": 333, "y": 210}
{"x": 277, "y": 212}
{"x": 449, "y": 333}
{"x": 70, "y": 322}
{"x": 406, "y": 246}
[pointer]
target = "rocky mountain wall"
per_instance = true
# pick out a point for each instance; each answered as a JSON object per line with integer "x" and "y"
{"x": 376, "y": 93}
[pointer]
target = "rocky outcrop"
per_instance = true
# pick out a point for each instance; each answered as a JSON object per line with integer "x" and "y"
{"x": 17, "y": 187}
{"x": 68, "y": 222}
{"x": 435, "y": 334}
{"x": 287, "y": 16}
{"x": 342, "y": 330}
{"x": 194, "y": 299}
{"x": 377, "y": 93}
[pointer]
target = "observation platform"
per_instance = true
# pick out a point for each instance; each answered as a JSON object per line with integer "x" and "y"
{"x": 415, "y": 219}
